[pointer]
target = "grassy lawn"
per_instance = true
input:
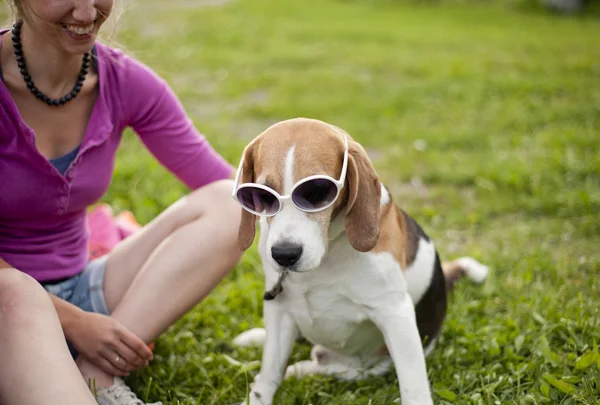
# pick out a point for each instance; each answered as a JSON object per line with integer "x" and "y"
{"x": 484, "y": 122}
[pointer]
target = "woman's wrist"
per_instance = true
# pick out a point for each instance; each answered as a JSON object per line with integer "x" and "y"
{"x": 68, "y": 314}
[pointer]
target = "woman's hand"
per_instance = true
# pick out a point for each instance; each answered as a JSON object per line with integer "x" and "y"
{"x": 108, "y": 344}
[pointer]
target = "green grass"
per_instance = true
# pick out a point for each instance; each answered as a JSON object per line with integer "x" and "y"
{"x": 483, "y": 120}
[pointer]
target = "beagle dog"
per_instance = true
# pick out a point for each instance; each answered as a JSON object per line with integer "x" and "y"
{"x": 344, "y": 266}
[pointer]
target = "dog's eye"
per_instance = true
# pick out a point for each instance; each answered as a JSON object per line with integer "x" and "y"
{"x": 315, "y": 193}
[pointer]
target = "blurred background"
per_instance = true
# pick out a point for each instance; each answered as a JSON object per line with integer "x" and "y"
{"x": 482, "y": 117}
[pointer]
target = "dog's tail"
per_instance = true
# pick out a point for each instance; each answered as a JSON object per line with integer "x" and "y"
{"x": 464, "y": 266}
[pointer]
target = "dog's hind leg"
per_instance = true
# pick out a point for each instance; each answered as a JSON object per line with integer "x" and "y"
{"x": 251, "y": 337}
{"x": 464, "y": 266}
{"x": 327, "y": 362}
{"x": 256, "y": 337}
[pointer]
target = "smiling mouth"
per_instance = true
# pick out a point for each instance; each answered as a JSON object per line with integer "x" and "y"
{"x": 79, "y": 29}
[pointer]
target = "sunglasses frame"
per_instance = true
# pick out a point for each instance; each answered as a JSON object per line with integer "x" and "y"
{"x": 283, "y": 198}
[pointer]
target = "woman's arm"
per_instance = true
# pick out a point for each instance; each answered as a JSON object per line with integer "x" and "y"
{"x": 153, "y": 110}
{"x": 68, "y": 314}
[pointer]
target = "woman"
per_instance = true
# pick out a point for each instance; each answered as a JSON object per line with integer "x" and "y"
{"x": 65, "y": 100}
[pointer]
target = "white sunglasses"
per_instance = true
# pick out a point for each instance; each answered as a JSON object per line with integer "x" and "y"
{"x": 311, "y": 194}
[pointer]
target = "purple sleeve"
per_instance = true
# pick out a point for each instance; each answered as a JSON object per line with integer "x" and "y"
{"x": 154, "y": 112}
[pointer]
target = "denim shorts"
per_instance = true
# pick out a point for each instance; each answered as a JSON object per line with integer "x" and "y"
{"x": 84, "y": 290}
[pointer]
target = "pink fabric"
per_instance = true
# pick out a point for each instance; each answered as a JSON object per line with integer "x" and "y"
{"x": 106, "y": 230}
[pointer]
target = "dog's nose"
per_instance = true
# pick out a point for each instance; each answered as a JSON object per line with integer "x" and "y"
{"x": 286, "y": 254}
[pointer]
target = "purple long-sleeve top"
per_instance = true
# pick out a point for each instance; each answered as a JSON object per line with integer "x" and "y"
{"x": 43, "y": 227}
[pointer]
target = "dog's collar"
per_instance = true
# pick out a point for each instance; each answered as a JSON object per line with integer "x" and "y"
{"x": 277, "y": 288}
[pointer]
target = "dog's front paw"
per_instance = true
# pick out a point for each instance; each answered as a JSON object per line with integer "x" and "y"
{"x": 255, "y": 398}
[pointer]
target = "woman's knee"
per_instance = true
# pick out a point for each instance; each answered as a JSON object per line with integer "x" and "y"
{"x": 214, "y": 212}
{"x": 227, "y": 213}
{"x": 214, "y": 201}
{"x": 207, "y": 200}
{"x": 20, "y": 296}
{"x": 221, "y": 213}
{"x": 214, "y": 195}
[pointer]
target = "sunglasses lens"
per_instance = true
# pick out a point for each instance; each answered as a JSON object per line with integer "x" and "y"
{"x": 258, "y": 200}
{"x": 315, "y": 194}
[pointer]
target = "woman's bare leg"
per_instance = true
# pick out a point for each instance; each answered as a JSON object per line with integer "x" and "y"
{"x": 36, "y": 366}
{"x": 158, "y": 274}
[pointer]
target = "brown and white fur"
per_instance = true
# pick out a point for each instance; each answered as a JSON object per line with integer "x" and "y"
{"x": 368, "y": 291}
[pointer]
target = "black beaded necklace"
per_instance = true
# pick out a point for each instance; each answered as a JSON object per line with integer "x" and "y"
{"x": 18, "y": 47}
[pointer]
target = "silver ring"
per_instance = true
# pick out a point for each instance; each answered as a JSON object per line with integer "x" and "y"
{"x": 118, "y": 358}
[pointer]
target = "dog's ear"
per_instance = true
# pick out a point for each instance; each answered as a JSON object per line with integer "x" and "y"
{"x": 247, "y": 228}
{"x": 364, "y": 195}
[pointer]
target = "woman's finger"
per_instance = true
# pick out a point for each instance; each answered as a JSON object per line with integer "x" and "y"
{"x": 104, "y": 365}
{"x": 136, "y": 344}
{"x": 115, "y": 359}
{"x": 107, "y": 366}
{"x": 129, "y": 355}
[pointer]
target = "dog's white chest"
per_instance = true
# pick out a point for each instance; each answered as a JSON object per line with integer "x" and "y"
{"x": 326, "y": 317}
{"x": 330, "y": 304}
